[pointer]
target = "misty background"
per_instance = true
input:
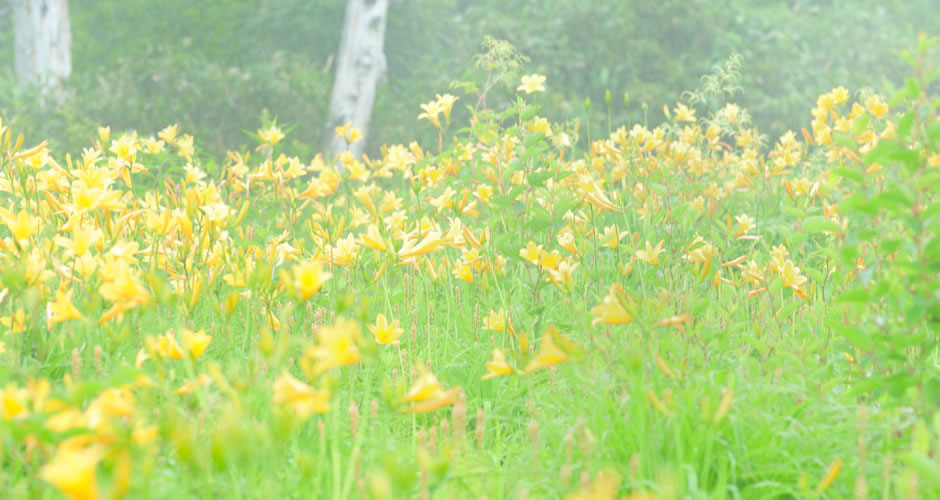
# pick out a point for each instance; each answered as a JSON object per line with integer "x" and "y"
{"x": 221, "y": 68}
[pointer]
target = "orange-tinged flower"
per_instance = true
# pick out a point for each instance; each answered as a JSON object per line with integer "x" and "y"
{"x": 348, "y": 133}
{"x": 83, "y": 238}
{"x": 830, "y": 476}
{"x": 373, "y": 239}
{"x": 591, "y": 191}
{"x": 169, "y": 133}
{"x": 425, "y": 387}
{"x": 195, "y": 342}
{"x": 724, "y": 406}
{"x": 427, "y": 245}
{"x": 301, "y": 398}
{"x": 337, "y": 345}
{"x": 61, "y": 309}
{"x": 124, "y": 148}
{"x": 308, "y": 277}
{"x": 676, "y": 321}
{"x": 549, "y": 260}
{"x": 566, "y": 241}
{"x": 445, "y": 103}
{"x": 123, "y": 290}
{"x": 611, "y": 309}
{"x": 13, "y": 402}
{"x": 604, "y": 487}
{"x": 563, "y": 275}
{"x": 484, "y": 192}
{"x": 498, "y": 366}
{"x": 272, "y": 135}
{"x": 745, "y": 224}
{"x": 531, "y": 252}
{"x": 145, "y": 434}
{"x": 167, "y": 346}
{"x": 684, "y": 113}
{"x": 385, "y": 332}
{"x": 23, "y": 226}
{"x": 497, "y": 321}
{"x": 549, "y": 352}
{"x": 650, "y": 255}
{"x": 431, "y": 111}
{"x": 428, "y": 394}
{"x": 754, "y": 272}
{"x": 792, "y": 278}
{"x": 612, "y": 237}
{"x": 190, "y": 386}
{"x": 16, "y": 321}
{"x": 72, "y": 471}
{"x": 463, "y": 272}
{"x": 141, "y": 357}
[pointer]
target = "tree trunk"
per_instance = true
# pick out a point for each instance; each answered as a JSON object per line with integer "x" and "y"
{"x": 360, "y": 68}
{"x": 42, "y": 41}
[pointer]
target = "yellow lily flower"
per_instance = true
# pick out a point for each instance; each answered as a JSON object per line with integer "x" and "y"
{"x": 498, "y": 366}
{"x": 337, "y": 345}
{"x": 301, "y": 398}
{"x": 549, "y": 352}
{"x": 385, "y": 332}
{"x": 72, "y": 471}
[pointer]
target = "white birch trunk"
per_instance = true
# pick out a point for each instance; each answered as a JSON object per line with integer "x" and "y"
{"x": 42, "y": 41}
{"x": 360, "y": 67}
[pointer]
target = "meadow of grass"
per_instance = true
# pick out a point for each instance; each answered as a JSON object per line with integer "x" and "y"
{"x": 523, "y": 309}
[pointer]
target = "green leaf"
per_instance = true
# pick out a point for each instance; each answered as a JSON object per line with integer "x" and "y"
{"x": 532, "y": 139}
{"x": 857, "y": 203}
{"x": 514, "y": 192}
{"x": 933, "y": 132}
{"x": 820, "y": 223}
{"x": 926, "y": 468}
{"x": 528, "y": 112}
{"x": 797, "y": 212}
{"x": 536, "y": 179}
{"x": 538, "y": 224}
{"x": 844, "y": 141}
{"x": 501, "y": 200}
{"x": 775, "y": 286}
{"x": 699, "y": 306}
{"x": 853, "y": 335}
{"x": 859, "y": 295}
{"x": 861, "y": 123}
{"x": 905, "y": 124}
{"x": 787, "y": 310}
{"x": 849, "y": 173}
{"x": 758, "y": 345}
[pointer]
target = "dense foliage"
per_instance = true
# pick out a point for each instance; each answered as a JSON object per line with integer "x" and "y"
{"x": 216, "y": 70}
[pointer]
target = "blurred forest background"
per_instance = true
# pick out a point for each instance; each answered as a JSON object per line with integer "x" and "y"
{"x": 219, "y": 68}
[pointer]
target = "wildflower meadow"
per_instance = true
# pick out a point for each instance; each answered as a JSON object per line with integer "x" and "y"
{"x": 516, "y": 308}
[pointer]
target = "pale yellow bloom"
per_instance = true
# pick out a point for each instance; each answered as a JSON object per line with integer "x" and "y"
{"x": 272, "y": 135}
{"x": 549, "y": 352}
{"x": 650, "y": 255}
{"x": 611, "y": 309}
{"x": 72, "y": 471}
{"x": 498, "y": 366}
{"x": 385, "y": 332}
{"x": 301, "y": 398}
{"x": 337, "y": 345}
{"x": 532, "y": 83}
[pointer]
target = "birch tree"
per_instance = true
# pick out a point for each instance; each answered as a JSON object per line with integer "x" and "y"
{"x": 42, "y": 41}
{"x": 360, "y": 67}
